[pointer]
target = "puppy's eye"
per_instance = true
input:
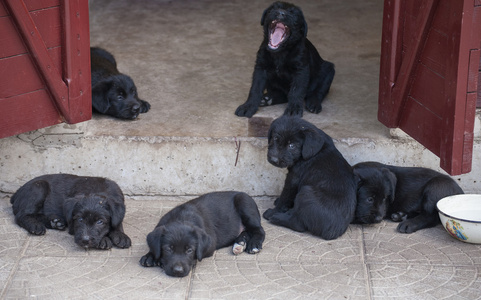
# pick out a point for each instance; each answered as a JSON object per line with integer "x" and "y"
{"x": 370, "y": 200}
{"x": 100, "y": 222}
{"x": 292, "y": 146}
{"x": 120, "y": 98}
{"x": 189, "y": 251}
{"x": 80, "y": 219}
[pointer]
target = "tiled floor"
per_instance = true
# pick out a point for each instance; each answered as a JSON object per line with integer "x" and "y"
{"x": 367, "y": 262}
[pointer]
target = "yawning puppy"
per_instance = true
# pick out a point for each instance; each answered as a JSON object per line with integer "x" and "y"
{"x": 288, "y": 67}
{"x": 195, "y": 229}
{"x": 113, "y": 93}
{"x": 91, "y": 207}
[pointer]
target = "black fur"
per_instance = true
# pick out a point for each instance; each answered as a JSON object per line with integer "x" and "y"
{"x": 195, "y": 229}
{"x": 92, "y": 208}
{"x": 319, "y": 193}
{"x": 113, "y": 93}
{"x": 403, "y": 194}
{"x": 291, "y": 71}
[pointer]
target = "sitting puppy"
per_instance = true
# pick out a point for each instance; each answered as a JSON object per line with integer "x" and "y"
{"x": 113, "y": 93}
{"x": 404, "y": 194}
{"x": 319, "y": 193}
{"x": 197, "y": 228}
{"x": 92, "y": 208}
{"x": 288, "y": 66}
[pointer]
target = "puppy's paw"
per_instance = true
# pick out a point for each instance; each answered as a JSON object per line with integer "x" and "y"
{"x": 408, "y": 226}
{"x": 37, "y": 229}
{"x": 148, "y": 260}
{"x": 144, "y": 106}
{"x": 238, "y": 248}
{"x": 105, "y": 243}
{"x": 246, "y": 110}
{"x": 120, "y": 239}
{"x": 253, "y": 246}
{"x": 57, "y": 224}
{"x": 399, "y": 216}
{"x": 269, "y": 213}
{"x": 294, "y": 110}
{"x": 266, "y": 101}
{"x": 314, "y": 108}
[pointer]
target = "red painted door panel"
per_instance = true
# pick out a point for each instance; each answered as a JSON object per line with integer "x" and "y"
{"x": 44, "y": 64}
{"x": 429, "y": 75}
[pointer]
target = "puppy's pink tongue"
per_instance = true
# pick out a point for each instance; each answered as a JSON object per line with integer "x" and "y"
{"x": 278, "y": 34}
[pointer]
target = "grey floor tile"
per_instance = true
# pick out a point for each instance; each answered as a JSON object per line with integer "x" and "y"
{"x": 91, "y": 277}
{"x": 414, "y": 281}
{"x": 216, "y": 279}
{"x": 432, "y": 246}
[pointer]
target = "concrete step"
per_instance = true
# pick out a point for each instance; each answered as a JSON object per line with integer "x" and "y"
{"x": 183, "y": 166}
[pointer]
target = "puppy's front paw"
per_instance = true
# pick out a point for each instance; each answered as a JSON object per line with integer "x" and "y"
{"x": 120, "y": 239}
{"x": 399, "y": 216}
{"x": 408, "y": 226}
{"x": 148, "y": 260}
{"x": 246, "y": 110}
{"x": 37, "y": 228}
{"x": 144, "y": 106}
{"x": 254, "y": 246}
{"x": 294, "y": 110}
{"x": 314, "y": 108}
{"x": 269, "y": 213}
{"x": 105, "y": 243}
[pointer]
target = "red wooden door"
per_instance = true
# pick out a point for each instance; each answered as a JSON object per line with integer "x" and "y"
{"x": 44, "y": 64}
{"x": 430, "y": 58}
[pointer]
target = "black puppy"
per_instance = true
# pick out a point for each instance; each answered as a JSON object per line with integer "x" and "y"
{"x": 92, "y": 208}
{"x": 288, "y": 66}
{"x": 319, "y": 193}
{"x": 403, "y": 194}
{"x": 113, "y": 93}
{"x": 197, "y": 228}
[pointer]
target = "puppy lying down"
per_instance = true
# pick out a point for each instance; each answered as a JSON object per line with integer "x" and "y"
{"x": 404, "y": 194}
{"x": 91, "y": 207}
{"x": 113, "y": 93}
{"x": 195, "y": 229}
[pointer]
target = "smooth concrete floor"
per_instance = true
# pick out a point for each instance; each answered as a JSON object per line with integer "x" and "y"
{"x": 193, "y": 60}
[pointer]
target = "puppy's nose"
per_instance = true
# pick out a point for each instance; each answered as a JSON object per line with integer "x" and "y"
{"x": 274, "y": 159}
{"x": 136, "y": 108}
{"x": 85, "y": 240}
{"x": 178, "y": 270}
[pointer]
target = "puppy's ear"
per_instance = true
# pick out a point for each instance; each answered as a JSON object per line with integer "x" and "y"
{"x": 264, "y": 16}
{"x": 70, "y": 208}
{"x": 116, "y": 210}
{"x": 154, "y": 240}
{"x": 204, "y": 243}
{"x": 313, "y": 142}
{"x": 100, "y": 99}
{"x": 304, "y": 27}
{"x": 390, "y": 179}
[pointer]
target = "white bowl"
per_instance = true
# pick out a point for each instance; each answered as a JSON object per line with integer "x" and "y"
{"x": 461, "y": 217}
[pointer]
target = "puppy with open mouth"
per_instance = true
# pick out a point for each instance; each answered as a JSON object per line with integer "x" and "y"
{"x": 288, "y": 67}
